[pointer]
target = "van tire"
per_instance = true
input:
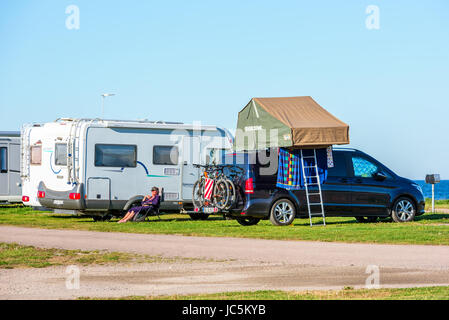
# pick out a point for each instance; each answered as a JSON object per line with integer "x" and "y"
{"x": 249, "y": 221}
{"x": 366, "y": 219}
{"x": 278, "y": 209}
{"x": 403, "y": 210}
{"x": 198, "y": 216}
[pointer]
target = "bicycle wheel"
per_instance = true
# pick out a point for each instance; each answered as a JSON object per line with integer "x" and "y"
{"x": 232, "y": 196}
{"x": 221, "y": 194}
{"x": 198, "y": 193}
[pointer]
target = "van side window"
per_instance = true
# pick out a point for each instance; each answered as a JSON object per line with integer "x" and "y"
{"x": 61, "y": 154}
{"x": 339, "y": 169}
{"x": 166, "y": 155}
{"x": 115, "y": 155}
{"x": 3, "y": 160}
{"x": 268, "y": 162}
{"x": 363, "y": 168}
{"x": 36, "y": 155}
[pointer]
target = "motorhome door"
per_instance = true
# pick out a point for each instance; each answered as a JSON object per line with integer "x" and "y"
{"x": 4, "y": 179}
{"x": 190, "y": 155}
{"x": 98, "y": 193}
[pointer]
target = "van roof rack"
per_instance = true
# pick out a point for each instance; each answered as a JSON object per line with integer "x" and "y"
{"x": 346, "y": 149}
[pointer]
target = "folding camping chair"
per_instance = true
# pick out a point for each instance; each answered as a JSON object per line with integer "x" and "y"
{"x": 151, "y": 211}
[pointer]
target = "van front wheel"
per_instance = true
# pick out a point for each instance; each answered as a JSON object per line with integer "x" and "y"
{"x": 282, "y": 212}
{"x": 404, "y": 210}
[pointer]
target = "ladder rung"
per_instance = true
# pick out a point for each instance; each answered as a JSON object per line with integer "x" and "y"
{"x": 315, "y": 177}
{"x": 314, "y": 194}
{"x": 317, "y": 214}
{"x": 308, "y": 157}
{"x": 313, "y": 183}
{"x": 309, "y": 167}
{"x": 315, "y": 204}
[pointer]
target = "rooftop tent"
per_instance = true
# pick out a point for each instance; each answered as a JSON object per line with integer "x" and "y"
{"x": 297, "y": 122}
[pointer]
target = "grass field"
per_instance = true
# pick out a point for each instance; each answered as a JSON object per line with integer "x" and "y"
{"x": 425, "y": 293}
{"x": 441, "y": 204}
{"x": 431, "y": 228}
{"x": 18, "y": 256}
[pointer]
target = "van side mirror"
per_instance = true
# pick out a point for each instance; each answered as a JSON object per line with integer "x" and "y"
{"x": 380, "y": 176}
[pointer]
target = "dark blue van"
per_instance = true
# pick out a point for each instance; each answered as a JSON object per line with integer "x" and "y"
{"x": 357, "y": 186}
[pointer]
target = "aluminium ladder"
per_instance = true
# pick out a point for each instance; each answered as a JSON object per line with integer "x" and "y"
{"x": 315, "y": 180}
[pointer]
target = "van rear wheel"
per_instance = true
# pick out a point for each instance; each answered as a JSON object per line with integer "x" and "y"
{"x": 249, "y": 221}
{"x": 198, "y": 216}
{"x": 282, "y": 212}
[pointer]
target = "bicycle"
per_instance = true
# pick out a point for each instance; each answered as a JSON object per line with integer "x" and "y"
{"x": 219, "y": 193}
{"x": 223, "y": 193}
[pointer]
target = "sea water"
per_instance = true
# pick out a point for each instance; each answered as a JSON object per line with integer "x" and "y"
{"x": 441, "y": 189}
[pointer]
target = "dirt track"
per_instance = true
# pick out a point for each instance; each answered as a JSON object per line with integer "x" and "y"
{"x": 251, "y": 264}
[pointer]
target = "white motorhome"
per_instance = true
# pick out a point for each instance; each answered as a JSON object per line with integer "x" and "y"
{"x": 10, "y": 167}
{"x": 103, "y": 167}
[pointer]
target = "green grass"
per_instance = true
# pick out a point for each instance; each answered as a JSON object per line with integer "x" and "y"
{"x": 439, "y": 204}
{"x": 424, "y": 293}
{"x": 427, "y": 229}
{"x": 13, "y": 255}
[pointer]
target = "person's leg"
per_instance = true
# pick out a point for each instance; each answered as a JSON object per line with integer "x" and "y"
{"x": 121, "y": 220}
{"x": 125, "y": 218}
{"x": 130, "y": 216}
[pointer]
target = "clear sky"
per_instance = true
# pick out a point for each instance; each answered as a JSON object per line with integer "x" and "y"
{"x": 204, "y": 60}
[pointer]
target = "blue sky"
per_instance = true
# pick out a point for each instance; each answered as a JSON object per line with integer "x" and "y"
{"x": 204, "y": 60}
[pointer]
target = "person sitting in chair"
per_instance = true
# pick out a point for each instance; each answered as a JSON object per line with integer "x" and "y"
{"x": 148, "y": 203}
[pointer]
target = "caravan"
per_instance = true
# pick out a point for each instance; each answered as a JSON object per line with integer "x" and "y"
{"x": 103, "y": 167}
{"x": 9, "y": 167}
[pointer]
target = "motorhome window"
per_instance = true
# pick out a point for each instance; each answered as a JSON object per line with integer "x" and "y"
{"x": 36, "y": 155}
{"x": 61, "y": 154}
{"x": 3, "y": 160}
{"x": 166, "y": 155}
{"x": 115, "y": 155}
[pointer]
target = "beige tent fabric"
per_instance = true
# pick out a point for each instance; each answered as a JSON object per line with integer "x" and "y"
{"x": 311, "y": 124}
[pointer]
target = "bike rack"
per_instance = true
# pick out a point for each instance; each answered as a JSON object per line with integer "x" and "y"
{"x": 210, "y": 208}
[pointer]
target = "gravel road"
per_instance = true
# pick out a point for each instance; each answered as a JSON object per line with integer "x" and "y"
{"x": 249, "y": 264}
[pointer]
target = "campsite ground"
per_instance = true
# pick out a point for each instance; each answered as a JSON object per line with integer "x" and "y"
{"x": 208, "y": 266}
{"x": 430, "y": 228}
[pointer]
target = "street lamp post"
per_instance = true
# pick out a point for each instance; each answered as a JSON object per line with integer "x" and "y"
{"x": 104, "y": 95}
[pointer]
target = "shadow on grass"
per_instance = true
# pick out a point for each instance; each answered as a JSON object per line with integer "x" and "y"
{"x": 432, "y": 216}
{"x": 68, "y": 216}
{"x": 10, "y": 206}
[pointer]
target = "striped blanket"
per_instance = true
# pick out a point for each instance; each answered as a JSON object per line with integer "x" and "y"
{"x": 290, "y": 175}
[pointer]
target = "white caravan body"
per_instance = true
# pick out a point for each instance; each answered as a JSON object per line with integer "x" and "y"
{"x": 95, "y": 166}
{"x": 10, "y": 184}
